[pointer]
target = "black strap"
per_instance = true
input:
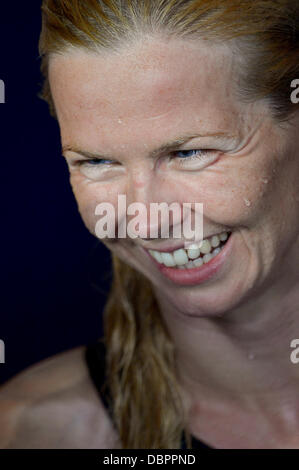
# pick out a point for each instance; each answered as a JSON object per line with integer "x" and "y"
{"x": 95, "y": 359}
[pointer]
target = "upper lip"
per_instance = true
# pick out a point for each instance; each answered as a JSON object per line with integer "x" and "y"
{"x": 168, "y": 247}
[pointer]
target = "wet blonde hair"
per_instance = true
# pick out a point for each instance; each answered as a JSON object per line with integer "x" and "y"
{"x": 141, "y": 360}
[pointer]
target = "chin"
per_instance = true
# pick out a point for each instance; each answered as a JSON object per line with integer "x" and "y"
{"x": 212, "y": 300}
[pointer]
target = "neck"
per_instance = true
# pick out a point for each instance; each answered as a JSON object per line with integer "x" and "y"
{"x": 244, "y": 355}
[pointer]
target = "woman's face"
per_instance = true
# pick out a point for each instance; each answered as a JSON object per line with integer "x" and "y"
{"x": 124, "y": 107}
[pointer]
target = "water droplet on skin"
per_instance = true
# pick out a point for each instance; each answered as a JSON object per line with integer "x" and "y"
{"x": 247, "y": 202}
{"x": 265, "y": 180}
{"x": 120, "y": 121}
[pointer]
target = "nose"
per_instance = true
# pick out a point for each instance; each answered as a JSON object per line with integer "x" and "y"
{"x": 148, "y": 211}
{"x": 140, "y": 196}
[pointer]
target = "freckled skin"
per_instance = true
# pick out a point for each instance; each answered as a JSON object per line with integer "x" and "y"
{"x": 154, "y": 98}
{"x": 128, "y": 104}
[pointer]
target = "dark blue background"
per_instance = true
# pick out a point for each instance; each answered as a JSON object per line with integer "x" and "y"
{"x": 54, "y": 274}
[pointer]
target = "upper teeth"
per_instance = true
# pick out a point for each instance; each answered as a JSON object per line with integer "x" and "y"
{"x": 190, "y": 257}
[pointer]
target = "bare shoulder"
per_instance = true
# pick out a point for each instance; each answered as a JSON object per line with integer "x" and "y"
{"x": 54, "y": 405}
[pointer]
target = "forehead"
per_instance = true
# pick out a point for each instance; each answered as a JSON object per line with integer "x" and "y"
{"x": 153, "y": 86}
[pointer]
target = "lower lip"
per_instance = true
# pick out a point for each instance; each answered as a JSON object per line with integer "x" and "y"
{"x": 195, "y": 276}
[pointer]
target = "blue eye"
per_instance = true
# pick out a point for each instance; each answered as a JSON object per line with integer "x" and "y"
{"x": 188, "y": 153}
{"x": 94, "y": 162}
{"x": 99, "y": 161}
{"x": 191, "y": 154}
{"x": 194, "y": 159}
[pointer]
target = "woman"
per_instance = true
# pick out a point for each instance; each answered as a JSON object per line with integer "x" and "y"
{"x": 194, "y": 346}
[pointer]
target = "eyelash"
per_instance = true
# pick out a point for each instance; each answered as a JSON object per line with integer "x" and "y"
{"x": 88, "y": 161}
{"x": 202, "y": 153}
{"x": 198, "y": 154}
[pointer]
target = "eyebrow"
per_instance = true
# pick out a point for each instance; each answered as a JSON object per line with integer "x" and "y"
{"x": 165, "y": 147}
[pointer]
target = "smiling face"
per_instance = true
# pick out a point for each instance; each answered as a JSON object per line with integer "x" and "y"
{"x": 123, "y": 108}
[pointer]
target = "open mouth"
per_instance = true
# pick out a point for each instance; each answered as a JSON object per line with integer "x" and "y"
{"x": 193, "y": 257}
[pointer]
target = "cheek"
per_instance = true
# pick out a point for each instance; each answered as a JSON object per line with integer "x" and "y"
{"x": 88, "y": 195}
{"x": 86, "y": 207}
{"x": 233, "y": 192}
